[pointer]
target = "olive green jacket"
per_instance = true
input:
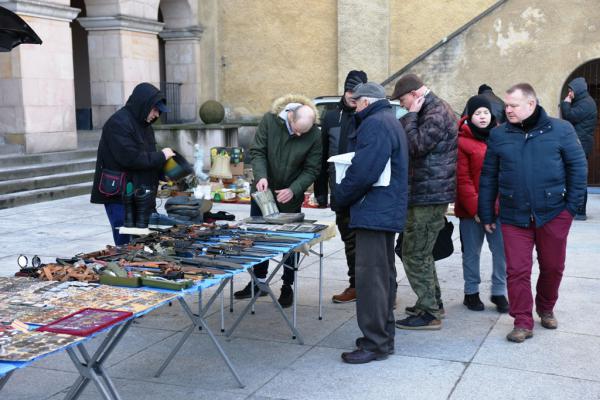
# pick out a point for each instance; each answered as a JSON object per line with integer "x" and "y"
{"x": 286, "y": 161}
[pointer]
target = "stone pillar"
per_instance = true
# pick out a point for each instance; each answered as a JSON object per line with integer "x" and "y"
{"x": 182, "y": 65}
{"x": 363, "y": 38}
{"x": 123, "y": 52}
{"x": 37, "y": 95}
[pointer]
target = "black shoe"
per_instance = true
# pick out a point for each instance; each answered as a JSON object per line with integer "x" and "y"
{"x": 128, "y": 202}
{"x": 421, "y": 322}
{"x": 359, "y": 340}
{"x": 246, "y": 292}
{"x": 286, "y": 298}
{"x": 580, "y": 217}
{"x": 361, "y": 356}
{"x": 145, "y": 203}
{"x": 501, "y": 303}
{"x": 473, "y": 302}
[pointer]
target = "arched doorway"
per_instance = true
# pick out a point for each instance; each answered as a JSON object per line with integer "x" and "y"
{"x": 81, "y": 71}
{"x": 591, "y": 72}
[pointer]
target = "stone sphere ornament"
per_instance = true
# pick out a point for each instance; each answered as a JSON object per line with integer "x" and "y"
{"x": 212, "y": 112}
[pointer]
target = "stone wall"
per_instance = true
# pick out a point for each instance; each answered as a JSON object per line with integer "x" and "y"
{"x": 535, "y": 41}
{"x": 270, "y": 48}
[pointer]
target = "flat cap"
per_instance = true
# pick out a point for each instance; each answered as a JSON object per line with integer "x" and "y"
{"x": 407, "y": 83}
{"x": 369, "y": 89}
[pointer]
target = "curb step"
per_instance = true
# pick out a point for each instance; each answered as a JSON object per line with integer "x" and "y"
{"x": 45, "y": 181}
{"x": 39, "y": 195}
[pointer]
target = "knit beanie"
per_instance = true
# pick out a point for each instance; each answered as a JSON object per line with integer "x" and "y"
{"x": 476, "y": 102}
{"x": 407, "y": 83}
{"x": 353, "y": 78}
{"x": 484, "y": 88}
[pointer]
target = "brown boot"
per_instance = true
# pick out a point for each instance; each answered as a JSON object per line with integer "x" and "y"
{"x": 347, "y": 296}
{"x": 518, "y": 335}
{"x": 548, "y": 319}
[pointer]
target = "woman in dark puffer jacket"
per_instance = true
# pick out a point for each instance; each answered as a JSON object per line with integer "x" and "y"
{"x": 474, "y": 130}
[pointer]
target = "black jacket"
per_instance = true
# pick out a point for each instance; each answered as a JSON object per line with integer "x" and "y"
{"x": 337, "y": 130}
{"x": 432, "y": 136}
{"x": 582, "y": 113}
{"x": 128, "y": 145}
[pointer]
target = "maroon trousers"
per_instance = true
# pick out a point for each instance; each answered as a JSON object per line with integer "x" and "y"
{"x": 550, "y": 242}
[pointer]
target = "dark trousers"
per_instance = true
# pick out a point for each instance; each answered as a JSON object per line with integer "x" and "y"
{"x": 582, "y": 209}
{"x": 342, "y": 220}
{"x": 261, "y": 269}
{"x": 550, "y": 241}
{"x": 116, "y": 217}
{"x": 375, "y": 289}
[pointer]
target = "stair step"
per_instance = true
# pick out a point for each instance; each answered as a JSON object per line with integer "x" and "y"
{"x": 14, "y": 160}
{"x": 11, "y": 149}
{"x": 50, "y": 168}
{"x": 39, "y": 195}
{"x": 46, "y": 181}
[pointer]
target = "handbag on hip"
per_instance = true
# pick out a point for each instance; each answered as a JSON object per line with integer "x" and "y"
{"x": 443, "y": 248}
{"x": 112, "y": 183}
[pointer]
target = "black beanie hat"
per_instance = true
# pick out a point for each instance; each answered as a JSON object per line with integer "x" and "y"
{"x": 476, "y": 102}
{"x": 353, "y": 78}
{"x": 484, "y": 88}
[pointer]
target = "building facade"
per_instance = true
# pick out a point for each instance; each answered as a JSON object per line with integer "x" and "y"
{"x": 246, "y": 53}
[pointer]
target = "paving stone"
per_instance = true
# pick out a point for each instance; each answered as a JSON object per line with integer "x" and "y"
{"x": 320, "y": 374}
{"x": 490, "y": 382}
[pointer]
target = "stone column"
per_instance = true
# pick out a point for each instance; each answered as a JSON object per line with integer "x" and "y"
{"x": 37, "y": 95}
{"x": 363, "y": 38}
{"x": 123, "y": 52}
{"x": 182, "y": 65}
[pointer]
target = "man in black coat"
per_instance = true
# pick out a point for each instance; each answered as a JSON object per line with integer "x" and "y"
{"x": 496, "y": 103}
{"x": 128, "y": 145}
{"x": 337, "y": 130}
{"x": 581, "y": 111}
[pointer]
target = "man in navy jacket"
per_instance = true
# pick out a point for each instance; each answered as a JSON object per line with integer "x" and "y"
{"x": 377, "y": 213}
{"x": 537, "y": 167}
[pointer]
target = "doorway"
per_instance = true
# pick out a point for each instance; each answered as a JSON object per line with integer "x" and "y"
{"x": 591, "y": 72}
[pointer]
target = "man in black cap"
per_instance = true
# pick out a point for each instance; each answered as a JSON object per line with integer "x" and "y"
{"x": 337, "y": 129}
{"x": 432, "y": 130}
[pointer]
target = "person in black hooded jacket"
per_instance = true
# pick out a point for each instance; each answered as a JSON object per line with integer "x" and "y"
{"x": 337, "y": 130}
{"x": 581, "y": 111}
{"x": 128, "y": 145}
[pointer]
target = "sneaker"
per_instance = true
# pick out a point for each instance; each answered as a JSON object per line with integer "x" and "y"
{"x": 580, "y": 217}
{"x": 246, "y": 292}
{"x": 347, "y": 296}
{"x": 501, "y": 303}
{"x": 549, "y": 321}
{"x": 414, "y": 311}
{"x": 473, "y": 302}
{"x": 421, "y": 322}
{"x": 518, "y": 335}
{"x": 286, "y": 298}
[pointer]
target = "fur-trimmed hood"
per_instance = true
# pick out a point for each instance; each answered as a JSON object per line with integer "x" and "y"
{"x": 280, "y": 103}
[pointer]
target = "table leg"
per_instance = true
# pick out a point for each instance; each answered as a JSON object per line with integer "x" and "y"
{"x": 5, "y": 379}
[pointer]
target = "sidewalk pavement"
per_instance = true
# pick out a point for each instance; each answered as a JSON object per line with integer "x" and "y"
{"x": 468, "y": 359}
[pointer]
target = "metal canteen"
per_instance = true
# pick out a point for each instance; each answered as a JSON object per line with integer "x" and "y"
{"x": 266, "y": 202}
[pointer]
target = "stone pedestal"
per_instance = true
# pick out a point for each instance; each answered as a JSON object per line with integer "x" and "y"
{"x": 37, "y": 95}
{"x": 123, "y": 52}
{"x": 183, "y": 140}
{"x": 182, "y": 65}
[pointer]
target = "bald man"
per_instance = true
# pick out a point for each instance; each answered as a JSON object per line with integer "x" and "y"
{"x": 286, "y": 159}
